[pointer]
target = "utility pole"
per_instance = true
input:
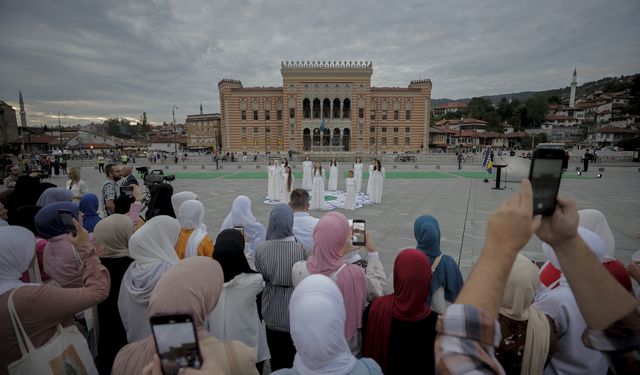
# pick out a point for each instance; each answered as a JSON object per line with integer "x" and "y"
{"x": 175, "y": 133}
{"x": 60, "y": 130}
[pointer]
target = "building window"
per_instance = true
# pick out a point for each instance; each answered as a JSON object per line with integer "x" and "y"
{"x": 255, "y": 115}
{"x": 243, "y": 115}
{"x": 372, "y": 141}
{"x": 396, "y": 115}
{"x": 383, "y": 141}
{"x": 384, "y": 115}
{"x": 395, "y": 131}
{"x": 292, "y": 113}
{"x": 372, "y": 129}
{"x": 267, "y": 115}
{"x": 256, "y": 130}
{"x": 407, "y": 115}
{"x": 244, "y": 130}
{"x": 360, "y": 112}
{"x": 384, "y": 129}
{"x": 279, "y": 115}
{"x": 395, "y": 141}
{"x": 373, "y": 114}
{"x": 407, "y": 130}
{"x": 244, "y": 142}
{"x": 407, "y": 141}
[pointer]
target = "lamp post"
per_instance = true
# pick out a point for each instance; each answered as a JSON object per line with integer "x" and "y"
{"x": 175, "y": 133}
{"x": 60, "y": 129}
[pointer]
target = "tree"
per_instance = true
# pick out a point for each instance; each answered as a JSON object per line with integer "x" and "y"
{"x": 527, "y": 139}
{"x": 536, "y": 110}
{"x": 553, "y": 99}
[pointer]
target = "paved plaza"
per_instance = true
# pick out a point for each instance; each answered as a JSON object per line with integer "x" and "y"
{"x": 461, "y": 201}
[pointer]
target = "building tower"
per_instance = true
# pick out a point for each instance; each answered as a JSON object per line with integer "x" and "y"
{"x": 574, "y": 84}
{"x": 23, "y": 113}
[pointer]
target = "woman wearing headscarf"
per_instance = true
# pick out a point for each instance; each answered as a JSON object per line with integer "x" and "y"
{"x": 317, "y": 315}
{"x": 40, "y": 307}
{"x": 331, "y": 240}
{"x": 241, "y": 215}
{"x": 274, "y": 259}
{"x": 25, "y": 193}
{"x": 25, "y": 217}
{"x": 194, "y": 239}
{"x": 112, "y": 235}
{"x": 160, "y": 203}
{"x": 236, "y": 314}
{"x": 528, "y": 335}
{"x": 571, "y": 356}
{"x": 446, "y": 279}
{"x": 60, "y": 258}
{"x": 191, "y": 287}
{"x": 153, "y": 253}
{"x": 400, "y": 329}
{"x": 178, "y": 199}
{"x": 54, "y": 195}
{"x": 89, "y": 204}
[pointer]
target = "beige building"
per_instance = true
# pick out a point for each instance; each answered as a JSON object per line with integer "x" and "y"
{"x": 325, "y": 107}
{"x": 203, "y": 131}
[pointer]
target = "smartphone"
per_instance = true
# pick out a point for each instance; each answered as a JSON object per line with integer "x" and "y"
{"x": 239, "y": 228}
{"x": 67, "y": 220}
{"x": 545, "y": 174}
{"x": 176, "y": 342}
{"x": 358, "y": 230}
{"x": 126, "y": 190}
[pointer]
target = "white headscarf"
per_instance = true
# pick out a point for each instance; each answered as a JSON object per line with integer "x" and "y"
{"x": 595, "y": 221}
{"x": 178, "y": 199}
{"x": 317, "y": 318}
{"x": 17, "y": 248}
{"x": 241, "y": 215}
{"x": 191, "y": 216}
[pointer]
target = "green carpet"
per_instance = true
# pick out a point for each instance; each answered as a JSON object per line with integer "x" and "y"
{"x": 329, "y": 198}
{"x": 573, "y": 176}
{"x": 198, "y": 175}
{"x": 407, "y": 174}
{"x": 474, "y": 174}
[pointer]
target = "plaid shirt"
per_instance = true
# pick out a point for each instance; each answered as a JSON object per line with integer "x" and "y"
{"x": 467, "y": 338}
{"x": 109, "y": 192}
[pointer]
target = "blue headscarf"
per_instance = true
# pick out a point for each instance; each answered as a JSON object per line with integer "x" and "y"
{"x": 48, "y": 221}
{"x": 53, "y": 195}
{"x": 280, "y": 222}
{"x": 88, "y": 205}
{"x": 426, "y": 230}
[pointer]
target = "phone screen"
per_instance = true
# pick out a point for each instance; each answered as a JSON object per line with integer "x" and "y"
{"x": 67, "y": 220}
{"x": 126, "y": 190}
{"x": 239, "y": 228}
{"x": 358, "y": 231}
{"x": 176, "y": 342}
{"x": 545, "y": 180}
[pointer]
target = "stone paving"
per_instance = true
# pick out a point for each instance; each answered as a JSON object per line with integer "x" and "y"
{"x": 460, "y": 201}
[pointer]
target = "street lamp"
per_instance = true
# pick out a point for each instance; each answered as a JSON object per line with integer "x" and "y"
{"x": 60, "y": 129}
{"x": 175, "y": 133}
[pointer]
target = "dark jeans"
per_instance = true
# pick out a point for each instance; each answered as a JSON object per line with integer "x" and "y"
{"x": 281, "y": 348}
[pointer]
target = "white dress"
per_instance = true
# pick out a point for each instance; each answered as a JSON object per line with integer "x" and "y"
{"x": 333, "y": 178}
{"x": 286, "y": 193}
{"x": 270, "y": 186}
{"x": 317, "y": 191}
{"x": 369, "y": 181}
{"x": 350, "y": 200}
{"x": 277, "y": 181}
{"x": 357, "y": 175}
{"x": 377, "y": 180}
{"x": 307, "y": 174}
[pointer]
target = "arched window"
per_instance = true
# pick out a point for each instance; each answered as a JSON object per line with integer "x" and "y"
{"x": 306, "y": 108}
{"x": 326, "y": 137}
{"x": 336, "y": 108}
{"x": 326, "y": 108}
{"x": 346, "y": 110}
{"x": 316, "y": 108}
{"x": 335, "y": 139}
{"x": 306, "y": 139}
{"x": 316, "y": 137}
{"x": 346, "y": 140}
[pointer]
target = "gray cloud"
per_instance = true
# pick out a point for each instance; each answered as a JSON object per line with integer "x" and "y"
{"x": 96, "y": 59}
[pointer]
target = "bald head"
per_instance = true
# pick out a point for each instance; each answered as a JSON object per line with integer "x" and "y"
{"x": 125, "y": 170}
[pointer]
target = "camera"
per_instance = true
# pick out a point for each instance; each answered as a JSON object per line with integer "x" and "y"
{"x": 154, "y": 177}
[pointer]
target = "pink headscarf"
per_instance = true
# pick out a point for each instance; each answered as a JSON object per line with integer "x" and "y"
{"x": 329, "y": 237}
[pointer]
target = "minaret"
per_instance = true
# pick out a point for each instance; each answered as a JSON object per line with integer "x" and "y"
{"x": 200, "y": 108}
{"x": 23, "y": 113}
{"x": 574, "y": 84}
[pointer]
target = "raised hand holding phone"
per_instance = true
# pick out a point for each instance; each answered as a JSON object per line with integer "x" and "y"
{"x": 81, "y": 237}
{"x": 545, "y": 174}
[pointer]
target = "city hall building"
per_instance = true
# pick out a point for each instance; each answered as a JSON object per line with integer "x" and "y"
{"x": 325, "y": 107}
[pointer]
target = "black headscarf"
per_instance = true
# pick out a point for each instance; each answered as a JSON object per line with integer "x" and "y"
{"x": 229, "y": 252}
{"x": 25, "y": 193}
{"x": 25, "y": 217}
{"x": 160, "y": 203}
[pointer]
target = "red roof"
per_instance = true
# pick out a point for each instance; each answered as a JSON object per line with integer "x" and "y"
{"x": 464, "y": 121}
{"x": 96, "y": 146}
{"x": 36, "y": 139}
{"x": 169, "y": 139}
{"x": 440, "y": 129}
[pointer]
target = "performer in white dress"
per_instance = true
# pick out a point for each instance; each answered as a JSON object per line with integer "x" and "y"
{"x": 373, "y": 163}
{"x": 278, "y": 173}
{"x": 270, "y": 186}
{"x": 287, "y": 184}
{"x": 357, "y": 174}
{"x": 333, "y": 175}
{"x": 350, "y": 199}
{"x": 317, "y": 190}
{"x": 307, "y": 173}
{"x": 377, "y": 181}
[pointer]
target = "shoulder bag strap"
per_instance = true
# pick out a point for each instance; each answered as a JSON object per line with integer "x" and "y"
{"x": 231, "y": 357}
{"x": 23, "y": 339}
{"x": 435, "y": 264}
{"x": 334, "y": 276}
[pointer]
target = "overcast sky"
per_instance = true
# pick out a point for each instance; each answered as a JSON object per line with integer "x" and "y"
{"x": 97, "y": 59}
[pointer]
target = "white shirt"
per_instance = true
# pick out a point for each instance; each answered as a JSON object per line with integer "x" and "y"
{"x": 303, "y": 225}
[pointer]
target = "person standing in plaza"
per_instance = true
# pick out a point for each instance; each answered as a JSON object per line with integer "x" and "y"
{"x": 270, "y": 182}
{"x": 371, "y": 166}
{"x": 110, "y": 190}
{"x": 287, "y": 184}
{"x": 307, "y": 173}
{"x": 357, "y": 174}
{"x": 100, "y": 163}
{"x": 317, "y": 189}
{"x": 333, "y": 175}
{"x": 585, "y": 161}
{"x": 303, "y": 223}
{"x": 350, "y": 199}
{"x": 278, "y": 177}
{"x": 377, "y": 182}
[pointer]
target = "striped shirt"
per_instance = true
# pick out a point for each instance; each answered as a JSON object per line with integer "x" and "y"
{"x": 274, "y": 260}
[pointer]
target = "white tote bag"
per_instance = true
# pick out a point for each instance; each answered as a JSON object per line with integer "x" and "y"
{"x": 66, "y": 353}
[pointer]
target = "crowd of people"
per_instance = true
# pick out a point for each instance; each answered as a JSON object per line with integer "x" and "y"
{"x": 297, "y": 293}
